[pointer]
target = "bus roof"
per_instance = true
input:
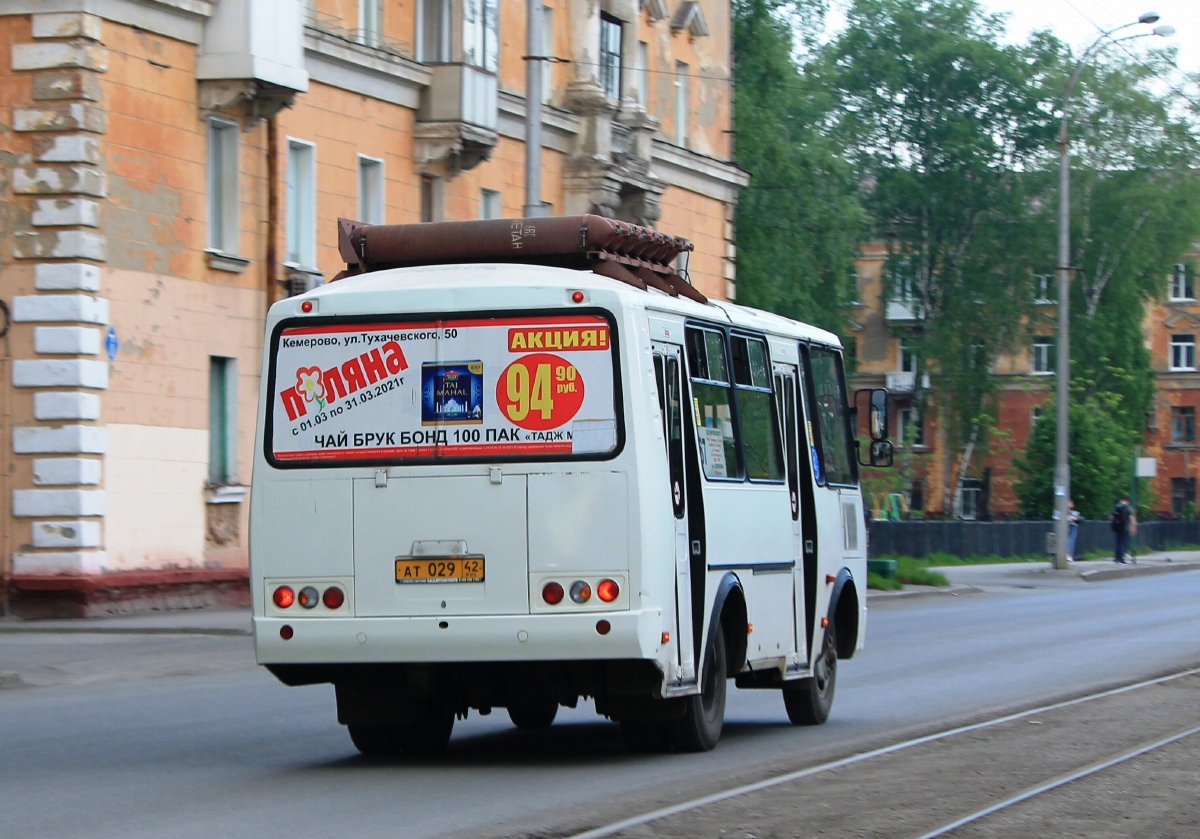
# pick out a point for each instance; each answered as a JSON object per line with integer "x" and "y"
{"x": 522, "y": 284}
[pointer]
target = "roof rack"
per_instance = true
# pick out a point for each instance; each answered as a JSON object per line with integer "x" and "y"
{"x": 621, "y": 251}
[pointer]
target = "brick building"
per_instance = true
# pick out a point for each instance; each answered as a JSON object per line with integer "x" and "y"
{"x": 1026, "y": 394}
{"x": 172, "y": 167}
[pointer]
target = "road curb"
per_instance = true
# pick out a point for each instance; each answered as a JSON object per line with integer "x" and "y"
{"x": 922, "y": 591}
{"x": 1102, "y": 574}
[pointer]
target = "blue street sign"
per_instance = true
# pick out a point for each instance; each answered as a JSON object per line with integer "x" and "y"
{"x": 111, "y": 343}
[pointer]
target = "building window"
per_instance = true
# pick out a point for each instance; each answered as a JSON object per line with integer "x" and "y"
{"x": 1042, "y": 356}
{"x": 223, "y": 186}
{"x": 370, "y": 190}
{"x": 481, "y": 19}
{"x": 1183, "y": 497}
{"x": 431, "y": 198}
{"x": 368, "y": 22}
{"x": 1035, "y": 414}
{"x": 1183, "y": 352}
{"x": 1043, "y": 288}
{"x": 433, "y": 31}
{"x": 641, "y": 74}
{"x": 916, "y": 496}
{"x": 1183, "y": 424}
{"x": 222, "y": 420}
{"x": 909, "y": 427}
{"x": 610, "y": 56}
{"x": 1181, "y": 283}
{"x": 908, "y": 357}
{"x": 301, "y": 204}
{"x": 683, "y": 108}
{"x": 489, "y": 204}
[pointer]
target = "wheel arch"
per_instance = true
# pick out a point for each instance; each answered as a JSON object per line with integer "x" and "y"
{"x": 730, "y": 616}
{"x": 844, "y": 613}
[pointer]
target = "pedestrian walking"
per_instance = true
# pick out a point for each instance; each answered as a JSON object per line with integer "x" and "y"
{"x": 1122, "y": 519}
{"x": 1073, "y": 519}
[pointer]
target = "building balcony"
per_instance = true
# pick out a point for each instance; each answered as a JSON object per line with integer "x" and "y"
{"x": 903, "y": 311}
{"x": 905, "y": 382}
{"x": 458, "y": 117}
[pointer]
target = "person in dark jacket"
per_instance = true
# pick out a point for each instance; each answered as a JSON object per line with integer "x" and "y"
{"x": 1121, "y": 515}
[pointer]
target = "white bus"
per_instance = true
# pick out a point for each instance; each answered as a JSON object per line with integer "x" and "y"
{"x": 499, "y": 477}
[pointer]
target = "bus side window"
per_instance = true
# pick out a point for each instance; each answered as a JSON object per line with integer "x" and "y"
{"x": 712, "y": 404}
{"x": 832, "y": 416}
{"x": 785, "y": 396}
{"x": 661, "y": 382}
{"x": 759, "y": 424}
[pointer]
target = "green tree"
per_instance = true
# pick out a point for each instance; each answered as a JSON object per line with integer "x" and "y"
{"x": 947, "y": 125}
{"x": 1135, "y": 213}
{"x": 800, "y": 224}
{"x": 1101, "y": 451}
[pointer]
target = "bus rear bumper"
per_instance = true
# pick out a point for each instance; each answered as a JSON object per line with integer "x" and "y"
{"x": 630, "y": 635}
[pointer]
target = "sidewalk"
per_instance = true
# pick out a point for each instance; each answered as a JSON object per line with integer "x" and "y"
{"x": 181, "y": 622}
{"x": 977, "y": 578}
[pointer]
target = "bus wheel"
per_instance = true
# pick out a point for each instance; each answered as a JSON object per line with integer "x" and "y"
{"x": 533, "y": 715}
{"x": 808, "y": 701}
{"x": 429, "y": 733}
{"x": 704, "y": 715}
{"x": 375, "y": 740}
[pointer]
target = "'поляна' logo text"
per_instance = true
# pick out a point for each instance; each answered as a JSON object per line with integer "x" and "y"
{"x": 327, "y": 386}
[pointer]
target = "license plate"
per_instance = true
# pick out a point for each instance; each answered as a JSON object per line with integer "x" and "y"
{"x": 440, "y": 569}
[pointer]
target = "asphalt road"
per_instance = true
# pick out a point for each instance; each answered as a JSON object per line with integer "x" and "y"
{"x": 183, "y": 736}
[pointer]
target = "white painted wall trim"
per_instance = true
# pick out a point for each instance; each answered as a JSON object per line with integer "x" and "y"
{"x": 66, "y": 534}
{"x": 59, "y": 562}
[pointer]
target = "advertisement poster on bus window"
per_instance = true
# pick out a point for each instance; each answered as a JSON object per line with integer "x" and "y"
{"x": 470, "y": 388}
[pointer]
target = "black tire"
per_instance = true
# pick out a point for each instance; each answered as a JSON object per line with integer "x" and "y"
{"x": 704, "y": 714}
{"x": 809, "y": 701}
{"x": 375, "y": 740}
{"x": 532, "y": 716}
{"x": 429, "y": 733}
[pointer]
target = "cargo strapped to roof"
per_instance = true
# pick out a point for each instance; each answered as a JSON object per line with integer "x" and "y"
{"x": 630, "y": 253}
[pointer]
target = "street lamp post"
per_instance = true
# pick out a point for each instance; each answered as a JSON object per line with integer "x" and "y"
{"x": 1062, "y": 467}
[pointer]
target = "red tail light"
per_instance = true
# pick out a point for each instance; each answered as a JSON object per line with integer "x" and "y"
{"x": 608, "y": 590}
{"x": 284, "y": 597}
{"x": 333, "y": 597}
{"x": 552, "y": 593}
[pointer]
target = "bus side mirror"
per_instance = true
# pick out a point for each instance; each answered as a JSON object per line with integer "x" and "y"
{"x": 879, "y": 454}
{"x": 877, "y": 417}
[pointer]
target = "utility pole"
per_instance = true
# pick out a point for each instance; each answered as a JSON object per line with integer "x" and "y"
{"x": 1062, "y": 468}
{"x": 535, "y": 58}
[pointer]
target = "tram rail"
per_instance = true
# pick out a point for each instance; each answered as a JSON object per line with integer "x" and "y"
{"x": 1060, "y": 780}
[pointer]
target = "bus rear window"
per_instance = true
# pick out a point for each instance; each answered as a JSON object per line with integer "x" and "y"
{"x": 456, "y": 389}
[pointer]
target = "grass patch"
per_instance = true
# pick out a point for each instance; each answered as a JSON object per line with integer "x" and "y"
{"x": 881, "y": 583}
{"x": 909, "y": 571}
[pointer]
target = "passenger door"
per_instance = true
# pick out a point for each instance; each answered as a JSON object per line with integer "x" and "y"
{"x": 668, "y": 371}
{"x": 788, "y": 407}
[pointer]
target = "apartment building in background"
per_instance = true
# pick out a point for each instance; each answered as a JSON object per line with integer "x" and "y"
{"x": 885, "y": 324}
{"x": 172, "y": 167}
